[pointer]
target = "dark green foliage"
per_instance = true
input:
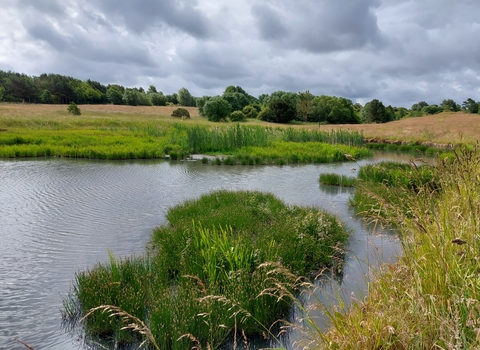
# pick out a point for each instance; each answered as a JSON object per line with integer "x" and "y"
{"x": 46, "y": 97}
{"x": 157, "y": 98}
{"x": 304, "y": 105}
{"x": 130, "y": 97}
{"x": 283, "y": 106}
{"x": 333, "y": 110}
{"x": 217, "y": 109}
{"x": 236, "y": 100}
{"x": 471, "y": 106}
{"x": 185, "y": 98}
{"x": 449, "y": 106}
{"x": 173, "y": 99}
{"x": 201, "y": 103}
{"x": 266, "y": 115}
{"x": 73, "y": 109}
{"x": 430, "y": 110}
{"x": 374, "y": 112}
{"x": 250, "y": 112}
{"x": 181, "y": 113}
{"x": 115, "y": 94}
{"x": 237, "y": 116}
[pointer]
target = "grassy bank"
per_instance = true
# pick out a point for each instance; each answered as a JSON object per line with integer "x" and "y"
{"x": 103, "y": 134}
{"x": 207, "y": 274}
{"x": 430, "y": 298}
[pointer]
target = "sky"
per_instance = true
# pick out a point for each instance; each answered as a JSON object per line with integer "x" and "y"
{"x": 397, "y": 51}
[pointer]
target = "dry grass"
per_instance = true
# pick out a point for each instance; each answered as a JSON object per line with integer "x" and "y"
{"x": 443, "y": 128}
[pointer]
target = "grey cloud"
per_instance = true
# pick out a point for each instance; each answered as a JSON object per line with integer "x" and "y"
{"x": 269, "y": 22}
{"x": 320, "y": 26}
{"x": 74, "y": 43}
{"x": 143, "y": 15}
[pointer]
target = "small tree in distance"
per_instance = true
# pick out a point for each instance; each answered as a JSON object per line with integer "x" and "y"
{"x": 73, "y": 109}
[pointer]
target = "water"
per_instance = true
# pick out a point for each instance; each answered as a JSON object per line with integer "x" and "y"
{"x": 58, "y": 216}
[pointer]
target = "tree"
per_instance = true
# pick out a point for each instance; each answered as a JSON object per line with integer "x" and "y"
{"x": 471, "y": 106}
{"x": 157, "y": 98}
{"x": 333, "y": 110}
{"x": 283, "y": 105}
{"x": 2, "y": 92}
{"x": 374, "y": 112}
{"x": 73, "y": 109}
{"x": 449, "y": 106}
{"x": 431, "y": 109}
{"x": 250, "y": 112}
{"x": 304, "y": 104}
{"x": 173, "y": 98}
{"x": 130, "y": 97}
{"x": 217, "y": 109}
{"x": 201, "y": 103}
{"x": 185, "y": 98}
{"x": 152, "y": 90}
{"x": 46, "y": 97}
{"x": 236, "y": 99}
{"x": 115, "y": 94}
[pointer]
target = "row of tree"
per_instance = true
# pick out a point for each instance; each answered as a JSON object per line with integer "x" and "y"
{"x": 234, "y": 104}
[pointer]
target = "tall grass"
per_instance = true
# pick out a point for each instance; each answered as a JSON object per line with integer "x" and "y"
{"x": 430, "y": 298}
{"x": 118, "y": 139}
{"x": 204, "y": 275}
{"x": 334, "y": 179}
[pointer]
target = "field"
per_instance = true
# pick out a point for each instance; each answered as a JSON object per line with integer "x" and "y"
{"x": 443, "y": 128}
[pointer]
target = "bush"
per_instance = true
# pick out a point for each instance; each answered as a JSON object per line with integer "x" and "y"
{"x": 73, "y": 109}
{"x": 181, "y": 113}
{"x": 250, "y": 112}
{"x": 266, "y": 115}
{"x": 237, "y": 116}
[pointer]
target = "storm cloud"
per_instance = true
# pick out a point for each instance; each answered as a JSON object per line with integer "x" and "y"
{"x": 398, "y": 51}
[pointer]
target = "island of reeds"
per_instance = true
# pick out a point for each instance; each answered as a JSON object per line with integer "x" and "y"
{"x": 210, "y": 274}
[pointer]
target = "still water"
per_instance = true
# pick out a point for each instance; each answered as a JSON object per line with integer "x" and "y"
{"x": 58, "y": 216}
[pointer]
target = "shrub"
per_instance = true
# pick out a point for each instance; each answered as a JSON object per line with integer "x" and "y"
{"x": 237, "y": 116}
{"x": 181, "y": 113}
{"x": 73, "y": 109}
{"x": 250, "y": 112}
{"x": 266, "y": 115}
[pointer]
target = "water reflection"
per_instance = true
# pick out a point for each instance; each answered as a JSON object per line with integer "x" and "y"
{"x": 63, "y": 215}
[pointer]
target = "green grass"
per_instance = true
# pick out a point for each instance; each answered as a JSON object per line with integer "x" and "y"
{"x": 104, "y": 138}
{"x": 430, "y": 298}
{"x": 333, "y": 179}
{"x": 208, "y": 272}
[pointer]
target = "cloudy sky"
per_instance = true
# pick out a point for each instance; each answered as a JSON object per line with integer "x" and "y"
{"x": 398, "y": 51}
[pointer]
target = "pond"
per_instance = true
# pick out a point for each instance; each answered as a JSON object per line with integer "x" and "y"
{"x": 59, "y": 216}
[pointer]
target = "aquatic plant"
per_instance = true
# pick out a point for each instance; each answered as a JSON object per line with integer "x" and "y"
{"x": 205, "y": 273}
{"x": 336, "y": 179}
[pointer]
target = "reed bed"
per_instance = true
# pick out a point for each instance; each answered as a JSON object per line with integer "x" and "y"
{"x": 430, "y": 298}
{"x": 204, "y": 276}
{"x": 104, "y": 138}
{"x": 334, "y": 179}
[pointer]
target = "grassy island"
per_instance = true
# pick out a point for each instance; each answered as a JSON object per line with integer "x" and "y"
{"x": 211, "y": 272}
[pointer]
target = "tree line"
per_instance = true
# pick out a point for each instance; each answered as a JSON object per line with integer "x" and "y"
{"x": 235, "y": 104}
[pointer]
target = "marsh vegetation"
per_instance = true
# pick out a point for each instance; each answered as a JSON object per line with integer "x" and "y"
{"x": 211, "y": 272}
